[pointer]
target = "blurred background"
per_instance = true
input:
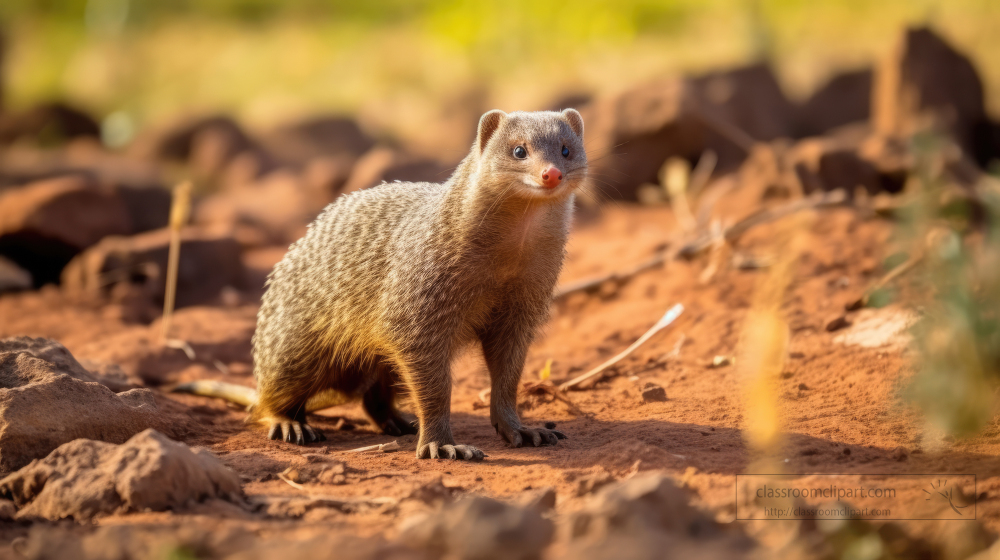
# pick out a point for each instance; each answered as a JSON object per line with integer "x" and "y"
{"x": 402, "y": 66}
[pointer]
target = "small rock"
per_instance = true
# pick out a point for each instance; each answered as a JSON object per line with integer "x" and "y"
{"x": 837, "y": 323}
{"x": 899, "y": 454}
{"x": 803, "y": 387}
{"x": 654, "y": 393}
{"x": 721, "y": 361}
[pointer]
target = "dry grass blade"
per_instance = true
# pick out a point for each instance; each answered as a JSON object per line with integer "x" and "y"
{"x": 669, "y": 317}
{"x": 180, "y": 210}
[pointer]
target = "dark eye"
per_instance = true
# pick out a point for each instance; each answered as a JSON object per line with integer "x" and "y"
{"x": 520, "y": 152}
{"x": 565, "y": 151}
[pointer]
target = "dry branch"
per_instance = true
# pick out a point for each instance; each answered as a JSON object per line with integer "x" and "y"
{"x": 669, "y": 317}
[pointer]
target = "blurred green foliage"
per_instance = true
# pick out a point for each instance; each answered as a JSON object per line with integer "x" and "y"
{"x": 958, "y": 338}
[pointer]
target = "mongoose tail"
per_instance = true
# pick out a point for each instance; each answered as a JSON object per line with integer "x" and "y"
{"x": 247, "y": 397}
{"x": 236, "y": 394}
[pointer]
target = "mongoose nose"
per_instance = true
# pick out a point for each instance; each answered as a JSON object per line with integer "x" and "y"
{"x": 551, "y": 177}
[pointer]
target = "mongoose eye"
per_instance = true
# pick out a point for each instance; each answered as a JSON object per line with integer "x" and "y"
{"x": 520, "y": 152}
{"x": 565, "y": 152}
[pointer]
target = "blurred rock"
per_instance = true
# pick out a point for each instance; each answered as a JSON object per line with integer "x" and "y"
{"x": 631, "y": 135}
{"x": 387, "y": 164}
{"x": 44, "y": 404}
{"x": 44, "y": 224}
{"x": 208, "y": 263}
{"x": 273, "y": 210}
{"x": 84, "y": 479}
{"x": 822, "y": 164}
{"x": 845, "y": 99}
{"x": 47, "y": 124}
{"x": 480, "y": 528}
{"x": 208, "y": 144}
{"x": 654, "y": 393}
{"x": 317, "y": 137}
{"x": 926, "y": 83}
{"x": 12, "y": 277}
{"x": 647, "y": 511}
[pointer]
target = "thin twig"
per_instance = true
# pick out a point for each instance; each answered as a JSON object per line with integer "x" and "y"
{"x": 897, "y": 271}
{"x": 592, "y": 284}
{"x": 669, "y": 317}
{"x": 383, "y": 447}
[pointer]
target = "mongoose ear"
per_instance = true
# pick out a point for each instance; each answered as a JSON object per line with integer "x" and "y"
{"x": 488, "y": 125}
{"x": 575, "y": 121}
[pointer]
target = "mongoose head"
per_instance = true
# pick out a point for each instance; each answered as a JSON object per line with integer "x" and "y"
{"x": 533, "y": 156}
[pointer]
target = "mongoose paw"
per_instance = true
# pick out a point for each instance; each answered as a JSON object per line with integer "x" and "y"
{"x": 398, "y": 427}
{"x": 461, "y": 452}
{"x": 294, "y": 432}
{"x": 536, "y": 437}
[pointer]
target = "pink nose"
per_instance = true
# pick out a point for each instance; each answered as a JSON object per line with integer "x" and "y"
{"x": 551, "y": 177}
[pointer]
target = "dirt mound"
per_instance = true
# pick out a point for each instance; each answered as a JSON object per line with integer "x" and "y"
{"x": 481, "y": 528}
{"x": 44, "y": 404}
{"x": 86, "y": 478}
{"x": 44, "y": 224}
{"x": 208, "y": 263}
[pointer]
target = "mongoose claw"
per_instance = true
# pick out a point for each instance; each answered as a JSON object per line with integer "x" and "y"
{"x": 459, "y": 452}
{"x": 536, "y": 437}
{"x": 295, "y": 432}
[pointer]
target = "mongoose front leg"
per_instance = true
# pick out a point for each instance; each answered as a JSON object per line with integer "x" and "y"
{"x": 505, "y": 351}
{"x": 431, "y": 389}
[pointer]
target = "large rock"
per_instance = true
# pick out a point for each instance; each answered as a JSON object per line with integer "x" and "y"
{"x": 630, "y": 136}
{"x": 47, "y": 124}
{"x": 208, "y": 144}
{"x": 85, "y": 478}
{"x": 844, "y": 99}
{"x": 208, "y": 263}
{"x": 60, "y": 357}
{"x": 924, "y": 83}
{"x": 384, "y": 164}
{"x": 44, "y": 224}
{"x": 480, "y": 528}
{"x": 44, "y": 404}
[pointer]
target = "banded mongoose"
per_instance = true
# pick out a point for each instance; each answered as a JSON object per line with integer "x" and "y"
{"x": 389, "y": 284}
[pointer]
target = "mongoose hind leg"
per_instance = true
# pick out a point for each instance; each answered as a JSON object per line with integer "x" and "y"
{"x": 291, "y": 428}
{"x": 505, "y": 355}
{"x": 379, "y": 404}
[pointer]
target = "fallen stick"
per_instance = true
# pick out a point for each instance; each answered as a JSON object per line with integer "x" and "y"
{"x": 383, "y": 447}
{"x": 669, "y": 317}
{"x": 592, "y": 284}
